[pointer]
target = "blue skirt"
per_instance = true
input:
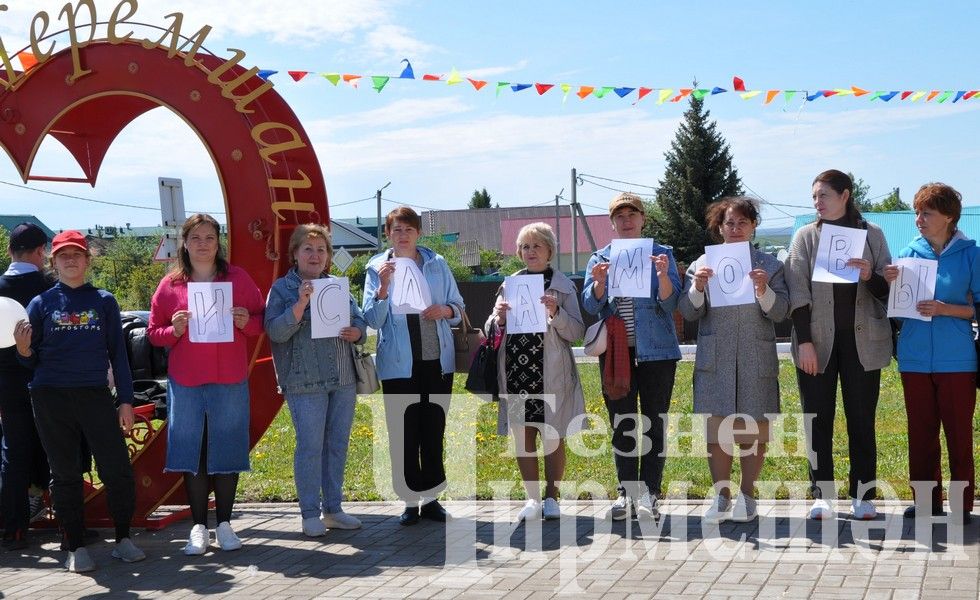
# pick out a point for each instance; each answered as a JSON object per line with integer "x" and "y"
{"x": 225, "y": 406}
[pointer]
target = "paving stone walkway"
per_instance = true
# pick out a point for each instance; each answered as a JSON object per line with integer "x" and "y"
{"x": 483, "y": 554}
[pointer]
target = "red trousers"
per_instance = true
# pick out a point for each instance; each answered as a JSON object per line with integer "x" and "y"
{"x": 948, "y": 400}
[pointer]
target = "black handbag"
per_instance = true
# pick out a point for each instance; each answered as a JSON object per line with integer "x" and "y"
{"x": 482, "y": 376}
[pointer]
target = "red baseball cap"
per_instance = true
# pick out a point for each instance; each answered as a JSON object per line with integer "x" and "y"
{"x": 68, "y": 238}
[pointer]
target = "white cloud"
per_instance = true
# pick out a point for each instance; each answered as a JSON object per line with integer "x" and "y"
{"x": 398, "y": 113}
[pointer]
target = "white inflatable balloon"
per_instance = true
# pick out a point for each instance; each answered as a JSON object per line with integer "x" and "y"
{"x": 11, "y": 312}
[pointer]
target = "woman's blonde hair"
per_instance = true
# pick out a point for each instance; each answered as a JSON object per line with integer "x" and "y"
{"x": 306, "y": 231}
{"x": 540, "y": 231}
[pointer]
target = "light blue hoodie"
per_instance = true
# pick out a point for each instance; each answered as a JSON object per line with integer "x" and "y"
{"x": 945, "y": 344}
{"x": 394, "y": 356}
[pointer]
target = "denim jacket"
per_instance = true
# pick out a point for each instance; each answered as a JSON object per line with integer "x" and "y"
{"x": 303, "y": 364}
{"x": 394, "y": 357}
{"x": 656, "y": 338}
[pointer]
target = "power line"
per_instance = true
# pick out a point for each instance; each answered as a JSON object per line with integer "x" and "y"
{"x": 352, "y": 202}
{"x": 650, "y": 187}
{"x": 615, "y": 189}
{"x": 93, "y": 200}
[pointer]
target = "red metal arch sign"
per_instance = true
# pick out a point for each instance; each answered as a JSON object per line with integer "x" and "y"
{"x": 84, "y": 94}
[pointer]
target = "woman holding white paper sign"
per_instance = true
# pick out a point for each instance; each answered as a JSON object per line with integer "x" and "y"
{"x": 316, "y": 376}
{"x": 736, "y": 370}
{"x": 415, "y": 362}
{"x": 207, "y": 386}
{"x": 937, "y": 358}
{"x": 840, "y": 330}
{"x": 639, "y": 364}
{"x": 540, "y": 391}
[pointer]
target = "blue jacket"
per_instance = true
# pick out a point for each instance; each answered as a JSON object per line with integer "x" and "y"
{"x": 303, "y": 364}
{"x": 945, "y": 344}
{"x": 394, "y": 356}
{"x": 76, "y": 335}
{"x": 656, "y": 338}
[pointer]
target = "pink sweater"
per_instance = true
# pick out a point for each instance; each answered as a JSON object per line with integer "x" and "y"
{"x": 197, "y": 364}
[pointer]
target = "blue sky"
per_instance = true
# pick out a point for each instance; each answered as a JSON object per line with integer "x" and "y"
{"x": 437, "y": 143}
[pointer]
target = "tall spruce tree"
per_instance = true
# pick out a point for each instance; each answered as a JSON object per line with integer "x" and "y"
{"x": 699, "y": 171}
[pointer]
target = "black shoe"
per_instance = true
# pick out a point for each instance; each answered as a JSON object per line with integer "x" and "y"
{"x": 967, "y": 517}
{"x": 14, "y": 541}
{"x": 434, "y": 511}
{"x": 910, "y": 512}
{"x": 410, "y": 516}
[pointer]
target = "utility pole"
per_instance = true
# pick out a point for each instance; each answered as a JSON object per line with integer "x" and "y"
{"x": 558, "y": 230}
{"x": 574, "y": 223}
{"x": 378, "y": 196}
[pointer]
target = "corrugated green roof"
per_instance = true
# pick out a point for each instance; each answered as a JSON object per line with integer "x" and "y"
{"x": 9, "y": 222}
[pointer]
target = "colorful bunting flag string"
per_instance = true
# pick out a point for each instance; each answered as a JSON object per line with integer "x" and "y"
{"x": 637, "y": 93}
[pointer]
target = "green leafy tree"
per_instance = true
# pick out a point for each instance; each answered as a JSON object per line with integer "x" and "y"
{"x": 866, "y": 203}
{"x": 480, "y": 199}
{"x": 4, "y": 244}
{"x": 861, "y": 191}
{"x": 127, "y": 269}
{"x": 699, "y": 171}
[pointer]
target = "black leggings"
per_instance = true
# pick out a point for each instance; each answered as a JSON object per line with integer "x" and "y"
{"x": 199, "y": 485}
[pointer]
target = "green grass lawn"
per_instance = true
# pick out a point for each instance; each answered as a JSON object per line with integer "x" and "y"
{"x": 472, "y": 429}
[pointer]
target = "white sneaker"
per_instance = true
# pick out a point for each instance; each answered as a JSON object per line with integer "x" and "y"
{"x": 862, "y": 510}
{"x": 197, "y": 541}
{"x": 621, "y": 509}
{"x": 745, "y": 509}
{"x": 314, "y": 527}
{"x": 530, "y": 512}
{"x": 719, "y": 511}
{"x": 820, "y": 510}
{"x": 550, "y": 509}
{"x": 647, "y": 507}
{"x": 341, "y": 520}
{"x": 127, "y": 551}
{"x": 226, "y": 537}
{"x": 79, "y": 561}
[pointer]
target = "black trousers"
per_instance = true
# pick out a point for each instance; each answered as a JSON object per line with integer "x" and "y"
{"x": 416, "y": 429}
{"x": 23, "y": 460}
{"x": 63, "y": 416}
{"x": 859, "y": 389}
{"x": 651, "y": 384}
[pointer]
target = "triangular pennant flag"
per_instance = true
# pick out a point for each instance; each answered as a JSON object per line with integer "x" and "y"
{"x": 932, "y": 95}
{"x": 454, "y": 77}
{"x": 600, "y": 92}
{"x": 959, "y": 95}
{"x": 770, "y": 95}
{"x": 843, "y": 92}
{"x": 519, "y": 87}
{"x": 351, "y": 79}
{"x": 684, "y": 94}
{"x": 622, "y": 92}
{"x": 265, "y": 74}
{"x": 27, "y": 60}
{"x": 642, "y": 93}
{"x": 331, "y": 77}
{"x": 858, "y": 91}
{"x": 876, "y": 95}
{"x": 297, "y": 75}
{"x": 501, "y": 85}
{"x": 970, "y": 94}
{"x": 738, "y": 84}
{"x": 664, "y": 94}
{"x": 944, "y": 97}
{"x": 543, "y": 87}
{"x": 565, "y": 88}
{"x": 752, "y": 94}
{"x": 584, "y": 91}
{"x": 718, "y": 90}
{"x": 407, "y": 72}
{"x": 917, "y": 95}
{"x": 379, "y": 82}
{"x": 888, "y": 96}
{"x": 699, "y": 94}
{"x": 906, "y": 95}
{"x": 829, "y": 93}
{"x": 788, "y": 94}
{"x": 814, "y": 96}
{"x": 477, "y": 83}
{"x": 431, "y": 78}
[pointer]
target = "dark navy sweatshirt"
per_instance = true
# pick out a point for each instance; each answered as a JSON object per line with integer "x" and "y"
{"x": 77, "y": 334}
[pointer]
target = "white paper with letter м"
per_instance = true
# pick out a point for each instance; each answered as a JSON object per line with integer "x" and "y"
{"x": 409, "y": 290}
{"x": 329, "y": 306}
{"x": 730, "y": 285}
{"x": 210, "y": 305}
{"x": 838, "y": 245}
{"x": 916, "y": 282}
{"x": 526, "y": 313}
{"x": 630, "y": 268}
